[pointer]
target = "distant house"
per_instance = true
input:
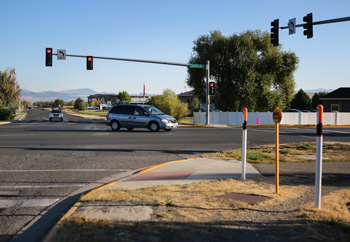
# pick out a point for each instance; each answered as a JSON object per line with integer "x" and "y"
{"x": 337, "y": 101}
{"x": 109, "y": 99}
{"x": 112, "y": 99}
{"x": 187, "y": 97}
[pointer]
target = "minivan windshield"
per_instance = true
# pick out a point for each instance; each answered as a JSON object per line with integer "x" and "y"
{"x": 56, "y": 111}
{"x": 152, "y": 110}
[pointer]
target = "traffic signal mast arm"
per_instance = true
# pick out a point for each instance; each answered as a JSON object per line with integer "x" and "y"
{"x": 337, "y": 20}
{"x": 133, "y": 60}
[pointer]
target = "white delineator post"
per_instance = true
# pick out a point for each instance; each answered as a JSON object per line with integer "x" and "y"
{"x": 319, "y": 145}
{"x": 244, "y": 144}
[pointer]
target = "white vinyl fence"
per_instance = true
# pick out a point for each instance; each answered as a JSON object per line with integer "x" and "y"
{"x": 236, "y": 118}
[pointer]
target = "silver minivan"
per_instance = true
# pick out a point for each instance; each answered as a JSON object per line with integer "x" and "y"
{"x": 132, "y": 116}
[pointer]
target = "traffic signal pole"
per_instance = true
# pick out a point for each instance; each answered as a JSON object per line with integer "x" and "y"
{"x": 132, "y": 60}
{"x": 337, "y": 20}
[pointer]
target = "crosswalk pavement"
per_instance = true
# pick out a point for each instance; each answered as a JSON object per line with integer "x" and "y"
{"x": 27, "y": 203}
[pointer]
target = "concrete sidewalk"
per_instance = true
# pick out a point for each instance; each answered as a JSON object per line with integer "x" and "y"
{"x": 174, "y": 172}
{"x": 184, "y": 172}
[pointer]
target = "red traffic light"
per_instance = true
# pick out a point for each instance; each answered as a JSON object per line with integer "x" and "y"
{"x": 211, "y": 88}
{"x": 89, "y": 63}
{"x": 48, "y": 57}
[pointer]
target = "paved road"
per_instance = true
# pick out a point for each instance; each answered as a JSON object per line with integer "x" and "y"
{"x": 43, "y": 162}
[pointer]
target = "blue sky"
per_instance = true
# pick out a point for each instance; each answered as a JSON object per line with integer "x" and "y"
{"x": 158, "y": 30}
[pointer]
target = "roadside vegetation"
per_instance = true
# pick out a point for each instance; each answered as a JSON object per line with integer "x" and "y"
{"x": 10, "y": 93}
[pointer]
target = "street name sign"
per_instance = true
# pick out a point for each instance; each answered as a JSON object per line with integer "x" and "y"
{"x": 197, "y": 66}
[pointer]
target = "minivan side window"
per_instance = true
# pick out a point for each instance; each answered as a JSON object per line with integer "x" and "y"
{"x": 114, "y": 109}
{"x": 140, "y": 111}
{"x": 129, "y": 110}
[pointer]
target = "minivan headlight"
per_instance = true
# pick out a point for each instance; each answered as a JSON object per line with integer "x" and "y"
{"x": 165, "y": 121}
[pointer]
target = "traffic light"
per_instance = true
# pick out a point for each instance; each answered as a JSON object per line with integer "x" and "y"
{"x": 274, "y": 32}
{"x": 89, "y": 63}
{"x": 308, "y": 26}
{"x": 211, "y": 88}
{"x": 48, "y": 58}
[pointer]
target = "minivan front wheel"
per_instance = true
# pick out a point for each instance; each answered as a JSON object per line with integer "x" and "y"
{"x": 154, "y": 127}
{"x": 115, "y": 126}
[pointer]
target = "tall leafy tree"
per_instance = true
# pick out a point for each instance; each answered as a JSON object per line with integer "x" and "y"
{"x": 124, "y": 97}
{"x": 59, "y": 103}
{"x": 301, "y": 100}
{"x": 247, "y": 69}
{"x": 80, "y": 104}
{"x": 10, "y": 90}
{"x": 170, "y": 104}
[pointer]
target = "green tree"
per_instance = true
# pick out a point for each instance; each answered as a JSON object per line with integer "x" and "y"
{"x": 10, "y": 90}
{"x": 71, "y": 103}
{"x": 95, "y": 103}
{"x": 80, "y": 104}
{"x": 59, "y": 103}
{"x": 169, "y": 103}
{"x": 195, "y": 103}
{"x": 25, "y": 104}
{"x": 247, "y": 69}
{"x": 124, "y": 97}
{"x": 301, "y": 100}
{"x": 316, "y": 99}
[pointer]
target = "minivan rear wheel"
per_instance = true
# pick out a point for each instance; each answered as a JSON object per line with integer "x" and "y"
{"x": 115, "y": 126}
{"x": 154, "y": 127}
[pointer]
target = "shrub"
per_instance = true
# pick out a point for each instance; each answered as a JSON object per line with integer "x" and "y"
{"x": 5, "y": 114}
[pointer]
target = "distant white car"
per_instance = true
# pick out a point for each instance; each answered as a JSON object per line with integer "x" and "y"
{"x": 56, "y": 114}
{"x": 93, "y": 108}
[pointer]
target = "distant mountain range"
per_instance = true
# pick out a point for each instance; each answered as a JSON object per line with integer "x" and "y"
{"x": 318, "y": 90}
{"x": 65, "y": 95}
{"x": 83, "y": 93}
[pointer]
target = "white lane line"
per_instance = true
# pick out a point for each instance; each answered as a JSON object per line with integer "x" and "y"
{"x": 65, "y": 170}
{"x": 27, "y": 203}
{"x": 40, "y": 186}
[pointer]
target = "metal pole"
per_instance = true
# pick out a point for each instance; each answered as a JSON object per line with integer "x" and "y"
{"x": 277, "y": 159}
{"x": 133, "y": 60}
{"x": 207, "y": 66}
{"x": 244, "y": 144}
{"x": 319, "y": 144}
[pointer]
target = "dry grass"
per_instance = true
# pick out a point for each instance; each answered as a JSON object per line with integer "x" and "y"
{"x": 288, "y": 153}
{"x": 335, "y": 208}
{"x": 201, "y": 195}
